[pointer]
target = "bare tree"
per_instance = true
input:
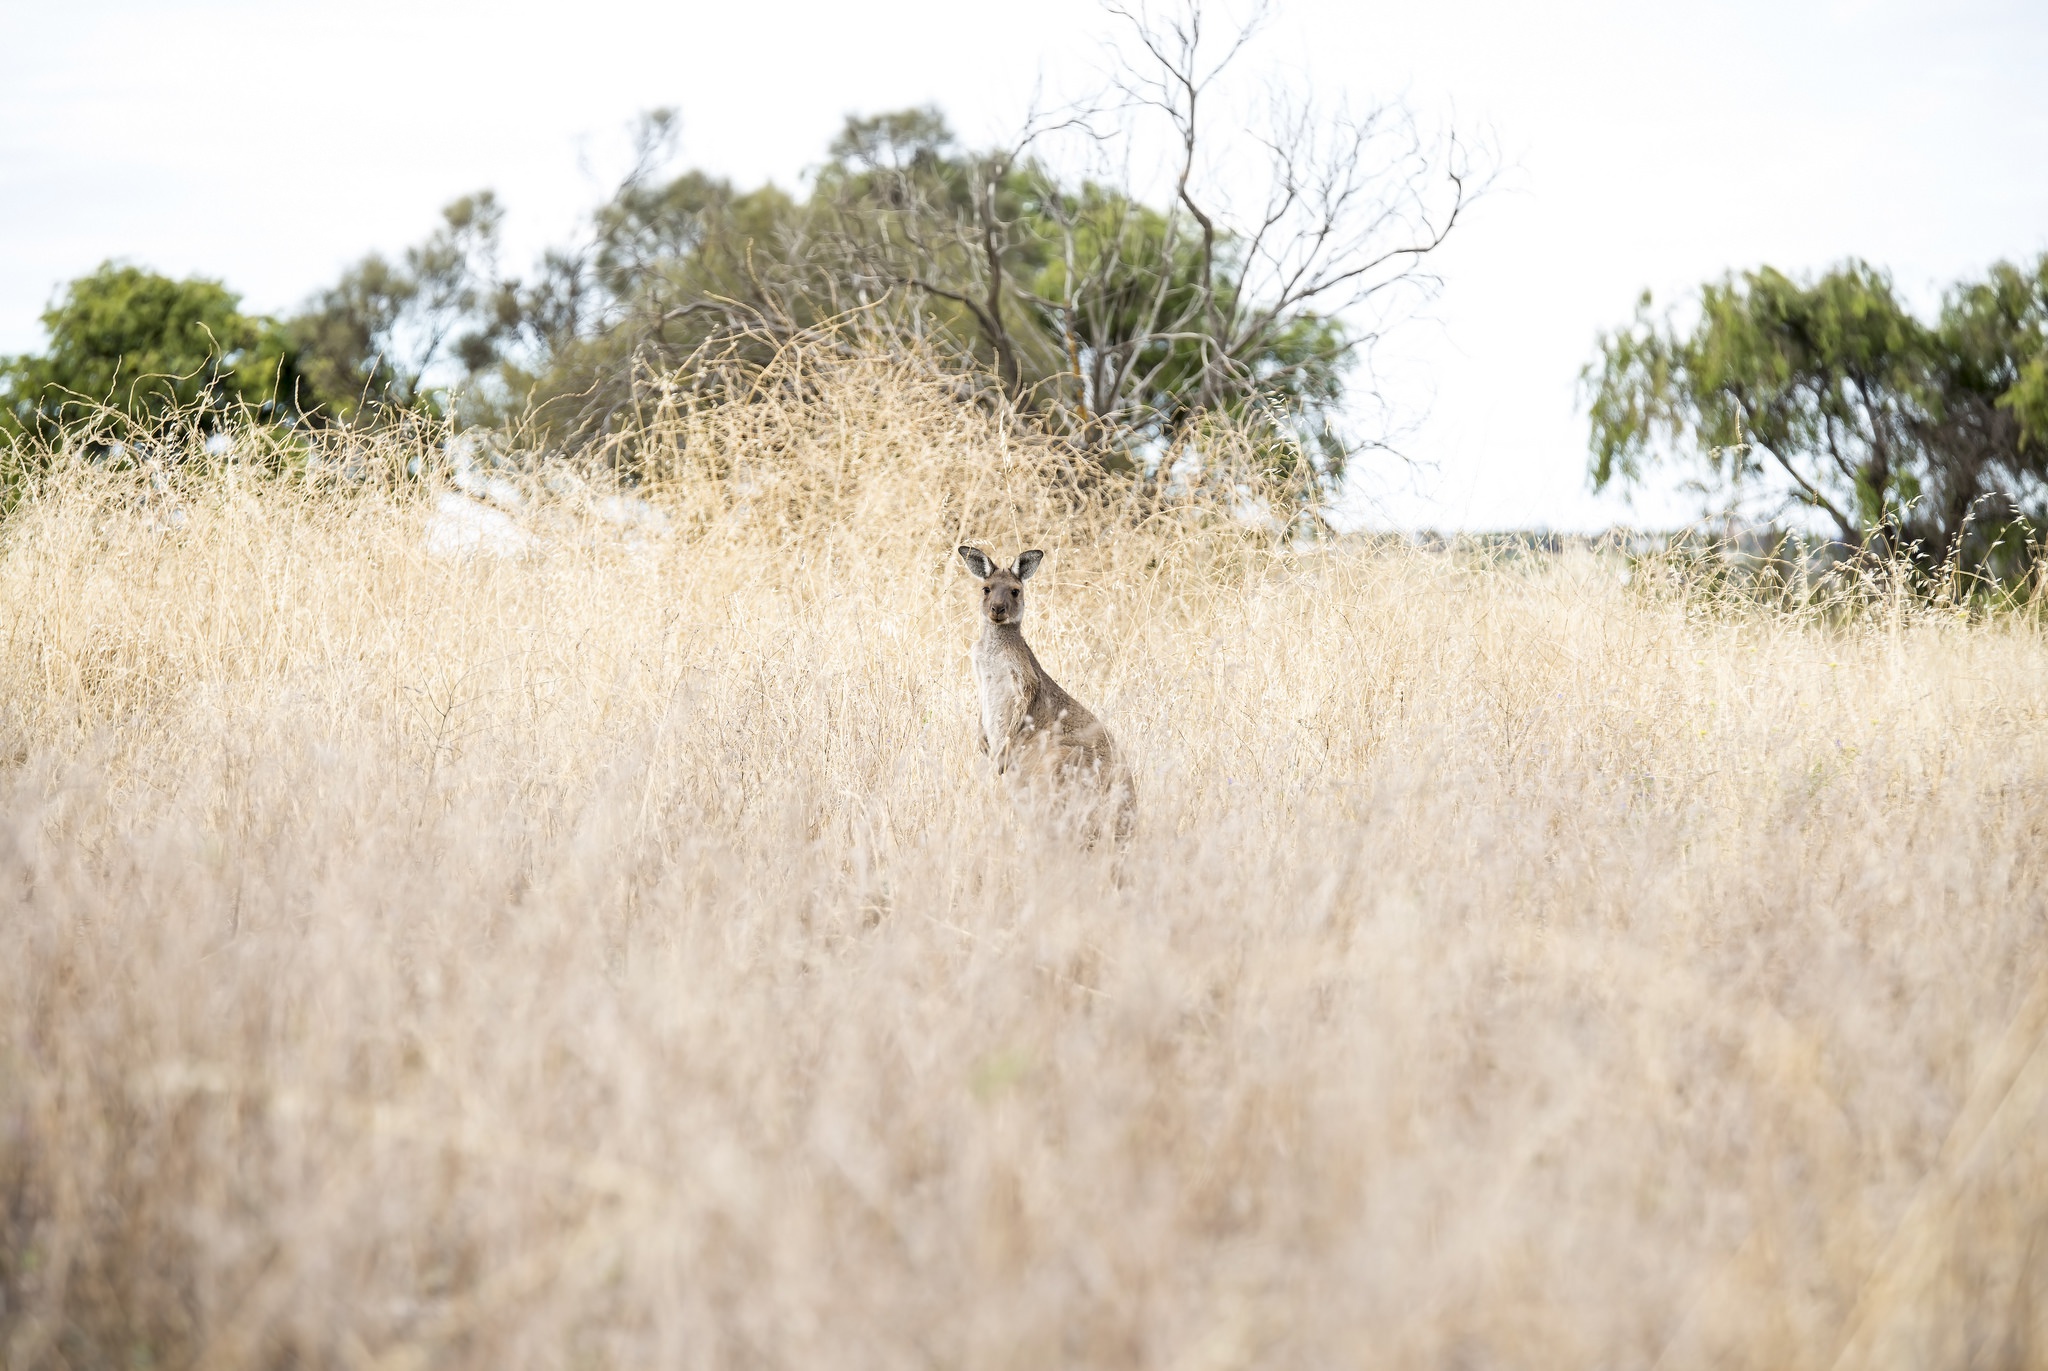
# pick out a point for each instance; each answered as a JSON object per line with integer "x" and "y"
{"x": 1343, "y": 211}
{"x": 1125, "y": 321}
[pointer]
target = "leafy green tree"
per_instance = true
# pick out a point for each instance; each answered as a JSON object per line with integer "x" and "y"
{"x": 2023, "y": 305}
{"x": 1116, "y": 322}
{"x": 380, "y": 339}
{"x": 1822, "y": 381}
{"x": 1123, "y": 322}
{"x": 1128, "y": 301}
{"x": 670, "y": 264}
{"x": 1989, "y": 378}
{"x": 1901, "y": 433}
{"x": 902, "y": 207}
{"x": 144, "y": 346}
{"x": 1120, "y": 323}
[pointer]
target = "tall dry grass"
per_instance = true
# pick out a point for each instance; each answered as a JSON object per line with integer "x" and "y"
{"x": 617, "y": 956}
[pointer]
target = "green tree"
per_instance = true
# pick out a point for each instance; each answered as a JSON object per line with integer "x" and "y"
{"x": 151, "y": 349}
{"x": 2023, "y": 304}
{"x": 1148, "y": 332}
{"x": 1118, "y": 319}
{"x": 902, "y": 207}
{"x": 395, "y": 336}
{"x": 1905, "y": 434}
{"x": 1115, "y": 322}
{"x": 670, "y": 263}
{"x": 1122, "y": 322}
{"x": 1989, "y": 381}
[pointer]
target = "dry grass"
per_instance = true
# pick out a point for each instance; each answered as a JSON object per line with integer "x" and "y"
{"x": 616, "y": 956}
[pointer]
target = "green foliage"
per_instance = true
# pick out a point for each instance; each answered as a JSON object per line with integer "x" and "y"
{"x": 669, "y": 266}
{"x": 1922, "y": 437}
{"x": 1122, "y": 326}
{"x": 1993, "y": 344}
{"x": 374, "y": 342}
{"x": 1109, "y": 319}
{"x": 1126, "y": 268}
{"x": 148, "y": 348}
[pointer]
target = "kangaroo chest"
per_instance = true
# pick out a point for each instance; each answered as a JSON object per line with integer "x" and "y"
{"x": 1006, "y": 680}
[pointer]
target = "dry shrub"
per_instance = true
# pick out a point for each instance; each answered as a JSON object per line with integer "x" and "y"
{"x": 615, "y": 955}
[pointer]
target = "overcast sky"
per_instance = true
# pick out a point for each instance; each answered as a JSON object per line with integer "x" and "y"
{"x": 1647, "y": 146}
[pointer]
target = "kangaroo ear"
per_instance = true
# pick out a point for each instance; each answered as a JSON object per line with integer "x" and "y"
{"x": 977, "y": 562}
{"x": 1027, "y": 562}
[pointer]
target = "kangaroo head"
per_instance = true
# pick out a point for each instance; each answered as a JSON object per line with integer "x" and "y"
{"x": 1002, "y": 592}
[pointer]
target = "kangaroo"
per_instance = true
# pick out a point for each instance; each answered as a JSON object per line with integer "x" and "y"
{"x": 1030, "y": 728}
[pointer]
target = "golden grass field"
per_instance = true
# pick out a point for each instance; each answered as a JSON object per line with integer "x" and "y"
{"x": 617, "y": 956}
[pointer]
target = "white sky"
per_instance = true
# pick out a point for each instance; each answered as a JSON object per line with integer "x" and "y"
{"x": 1649, "y": 145}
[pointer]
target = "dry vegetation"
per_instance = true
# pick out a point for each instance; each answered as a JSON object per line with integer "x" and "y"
{"x": 617, "y": 956}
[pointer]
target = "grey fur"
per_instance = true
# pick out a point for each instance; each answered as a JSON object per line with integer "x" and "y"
{"x": 1031, "y": 728}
